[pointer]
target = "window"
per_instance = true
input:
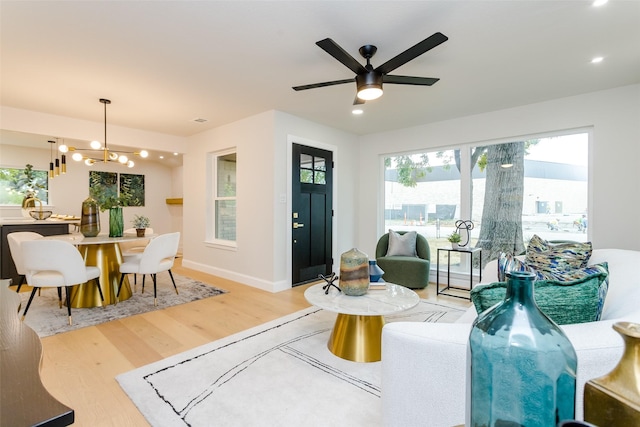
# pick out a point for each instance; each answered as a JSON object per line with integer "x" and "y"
{"x": 15, "y": 184}
{"x": 510, "y": 190}
{"x": 224, "y": 198}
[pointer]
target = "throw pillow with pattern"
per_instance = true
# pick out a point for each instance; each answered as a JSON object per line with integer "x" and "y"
{"x": 549, "y": 259}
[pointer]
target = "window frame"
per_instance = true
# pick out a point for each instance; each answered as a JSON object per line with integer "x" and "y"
{"x": 465, "y": 202}
{"x": 214, "y": 198}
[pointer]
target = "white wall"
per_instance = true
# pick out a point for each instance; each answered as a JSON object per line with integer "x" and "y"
{"x": 66, "y": 192}
{"x": 263, "y": 251}
{"x": 614, "y": 196}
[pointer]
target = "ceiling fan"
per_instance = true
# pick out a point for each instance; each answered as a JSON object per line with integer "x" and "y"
{"x": 369, "y": 80}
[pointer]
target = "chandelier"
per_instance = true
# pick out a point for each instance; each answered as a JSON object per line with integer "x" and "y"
{"x": 101, "y": 153}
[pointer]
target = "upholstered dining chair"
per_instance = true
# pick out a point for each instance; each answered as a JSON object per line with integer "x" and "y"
{"x": 15, "y": 239}
{"x": 134, "y": 248}
{"x": 56, "y": 264}
{"x": 157, "y": 257}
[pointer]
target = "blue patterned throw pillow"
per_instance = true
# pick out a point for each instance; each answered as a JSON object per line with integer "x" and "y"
{"x": 553, "y": 260}
{"x": 508, "y": 262}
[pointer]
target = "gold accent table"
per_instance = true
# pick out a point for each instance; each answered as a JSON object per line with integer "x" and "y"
{"x": 357, "y": 333}
{"x": 104, "y": 252}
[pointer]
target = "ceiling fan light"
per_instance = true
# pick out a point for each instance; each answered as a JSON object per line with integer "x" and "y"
{"x": 96, "y": 145}
{"x": 370, "y": 93}
{"x": 123, "y": 159}
{"x": 369, "y": 86}
{"x": 77, "y": 157}
{"x": 63, "y": 148}
{"x": 144, "y": 154}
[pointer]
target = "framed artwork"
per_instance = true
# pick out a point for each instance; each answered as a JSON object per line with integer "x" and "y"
{"x": 103, "y": 185}
{"x": 132, "y": 189}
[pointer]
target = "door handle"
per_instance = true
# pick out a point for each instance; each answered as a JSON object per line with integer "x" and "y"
{"x": 297, "y": 225}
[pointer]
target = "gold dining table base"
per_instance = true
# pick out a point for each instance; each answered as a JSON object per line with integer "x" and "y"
{"x": 107, "y": 256}
{"x": 357, "y": 338}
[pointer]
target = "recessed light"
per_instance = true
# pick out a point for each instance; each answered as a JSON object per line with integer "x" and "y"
{"x": 597, "y": 59}
{"x": 357, "y": 112}
{"x": 598, "y": 3}
{"x": 162, "y": 157}
{"x": 199, "y": 120}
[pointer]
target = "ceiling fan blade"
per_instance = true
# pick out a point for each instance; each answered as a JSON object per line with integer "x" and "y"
{"x": 358, "y": 101}
{"x": 412, "y": 53}
{"x": 341, "y": 55}
{"x": 323, "y": 84}
{"x": 409, "y": 80}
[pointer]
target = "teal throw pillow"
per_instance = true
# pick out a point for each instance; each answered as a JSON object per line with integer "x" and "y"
{"x": 565, "y": 302}
{"x": 402, "y": 244}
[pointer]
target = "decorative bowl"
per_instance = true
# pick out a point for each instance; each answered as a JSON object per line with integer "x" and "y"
{"x": 38, "y": 214}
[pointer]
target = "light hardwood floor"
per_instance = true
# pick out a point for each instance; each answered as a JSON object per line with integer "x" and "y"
{"x": 79, "y": 367}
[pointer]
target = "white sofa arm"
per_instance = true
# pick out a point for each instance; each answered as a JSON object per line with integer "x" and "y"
{"x": 423, "y": 374}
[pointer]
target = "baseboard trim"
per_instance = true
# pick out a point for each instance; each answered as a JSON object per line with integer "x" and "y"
{"x": 254, "y": 282}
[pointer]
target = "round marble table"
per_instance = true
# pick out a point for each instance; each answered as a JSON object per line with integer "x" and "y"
{"x": 102, "y": 251}
{"x": 357, "y": 333}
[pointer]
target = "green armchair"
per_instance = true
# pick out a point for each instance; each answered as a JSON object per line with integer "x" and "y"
{"x": 411, "y": 272}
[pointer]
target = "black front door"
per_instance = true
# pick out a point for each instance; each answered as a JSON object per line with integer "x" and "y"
{"x": 312, "y": 204}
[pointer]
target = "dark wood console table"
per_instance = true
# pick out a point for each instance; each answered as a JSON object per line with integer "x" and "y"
{"x": 23, "y": 399}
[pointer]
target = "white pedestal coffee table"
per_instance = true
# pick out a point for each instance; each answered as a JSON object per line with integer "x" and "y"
{"x": 357, "y": 334}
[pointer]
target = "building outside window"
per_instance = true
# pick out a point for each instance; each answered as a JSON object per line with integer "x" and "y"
{"x": 510, "y": 190}
{"x": 224, "y": 198}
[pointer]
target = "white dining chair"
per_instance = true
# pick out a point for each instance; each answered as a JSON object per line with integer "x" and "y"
{"x": 56, "y": 264}
{"x": 157, "y": 257}
{"x": 134, "y": 248}
{"x": 15, "y": 239}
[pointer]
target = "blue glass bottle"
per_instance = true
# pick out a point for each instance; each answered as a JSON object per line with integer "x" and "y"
{"x": 521, "y": 366}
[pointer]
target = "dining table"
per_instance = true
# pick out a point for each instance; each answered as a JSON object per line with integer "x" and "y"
{"x": 104, "y": 252}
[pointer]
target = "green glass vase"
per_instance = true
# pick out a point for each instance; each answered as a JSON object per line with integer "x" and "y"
{"x": 521, "y": 366}
{"x": 116, "y": 222}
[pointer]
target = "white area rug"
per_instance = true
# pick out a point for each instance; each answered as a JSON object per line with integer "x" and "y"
{"x": 280, "y": 373}
{"x": 47, "y": 319}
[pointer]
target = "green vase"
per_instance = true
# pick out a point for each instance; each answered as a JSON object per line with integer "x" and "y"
{"x": 90, "y": 219}
{"x": 116, "y": 222}
{"x": 521, "y": 366}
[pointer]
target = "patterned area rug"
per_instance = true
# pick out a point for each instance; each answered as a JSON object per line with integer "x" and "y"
{"x": 47, "y": 319}
{"x": 280, "y": 373}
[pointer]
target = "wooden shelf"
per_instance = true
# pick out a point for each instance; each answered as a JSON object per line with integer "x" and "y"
{"x": 174, "y": 201}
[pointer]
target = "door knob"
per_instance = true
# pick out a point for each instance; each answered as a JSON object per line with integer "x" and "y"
{"x": 297, "y": 225}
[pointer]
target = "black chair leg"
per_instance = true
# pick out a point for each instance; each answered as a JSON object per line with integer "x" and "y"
{"x": 120, "y": 285}
{"x": 33, "y": 293}
{"x": 23, "y": 279}
{"x": 155, "y": 292}
{"x": 99, "y": 290}
{"x": 143, "y": 277}
{"x": 68, "y": 292}
{"x": 174, "y": 282}
{"x": 59, "y": 297}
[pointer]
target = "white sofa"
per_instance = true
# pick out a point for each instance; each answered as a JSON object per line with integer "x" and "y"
{"x": 424, "y": 364}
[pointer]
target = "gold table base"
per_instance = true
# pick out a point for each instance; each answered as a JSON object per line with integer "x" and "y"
{"x": 107, "y": 256}
{"x": 357, "y": 338}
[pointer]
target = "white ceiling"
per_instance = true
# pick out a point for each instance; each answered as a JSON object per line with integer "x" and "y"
{"x": 165, "y": 63}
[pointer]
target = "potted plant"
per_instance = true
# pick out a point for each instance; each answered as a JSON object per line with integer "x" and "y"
{"x": 454, "y": 238}
{"x": 140, "y": 223}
